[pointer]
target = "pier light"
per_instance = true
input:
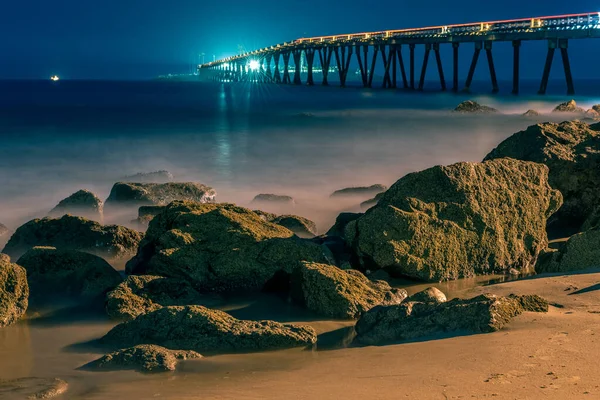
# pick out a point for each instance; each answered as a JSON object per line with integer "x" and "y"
{"x": 253, "y": 65}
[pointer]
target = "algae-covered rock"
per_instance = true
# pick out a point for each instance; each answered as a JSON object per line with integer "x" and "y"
{"x": 365, "y": 205}
{"x": 429, "y": 295}
{"x": 302, "y": 227}
{"x": 581, "y": 251}
{"x": 342, "y": 220}
{"x": 332, "y": 292}
{"x": 413, "y": 320}
{"x": 14, "y": 291}
{"x": 145, "y": 215}
{"x": 360, "y": 191}
{"x": 219, "y": 247}
{"x": 201, "y": 329}
{"x": 142, "y": 358}
{"x": 267, "y": 198}
{"x": 568, "y": 106}
{"x": 82, "y": 203}
{"x": 134, "y": 195}
{"x": 572, "y": 152}
{"x": 56, "y": 274}
{"x": 161, "y": 176}
{"x": 74, "y": 233}
{"x": 146, "y": 293}
{"x": 460, "y": 220}
{"x": 5, "y": 234}
{"x": 473, "y": 107}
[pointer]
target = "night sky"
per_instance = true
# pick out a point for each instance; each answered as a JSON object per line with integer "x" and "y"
{"x": 139, "y": 39}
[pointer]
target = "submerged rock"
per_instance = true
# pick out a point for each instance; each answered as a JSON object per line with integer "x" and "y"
{"x": 74, "y": 233}
{"x": 470, "y": 106}
{"x": 532, "y": 113}
{"x": 203, "y": 330}
{"x": 414, "y": 320}
{"x": 572, "y": 152}
{"x": 55, "y": 274}
{"x": 142, "y": 358}
{"x": 332, "y": 292}
{"x": 581, "y": 251}
{"x": 429, "y": 295}
{"x": 569, "y": 106}
{"x": 455, "y": 221}
{"x": 301, "y": 226}
{"x": 360, "y": 191}
{"x": 219, "y": 247}
{"x": 33, "y": 388}
{"x": 146, "y": 293}
{"x": 150, "y": 177}
{"x": 273, "y": 199}
{"x": 14, "y": 291}
{"x": 82, "y": 203}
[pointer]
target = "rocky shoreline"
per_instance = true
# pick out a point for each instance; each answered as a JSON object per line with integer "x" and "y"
{"x": 464, "y": 220}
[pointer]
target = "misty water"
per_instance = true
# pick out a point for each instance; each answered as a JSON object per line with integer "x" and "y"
{"x": 242, "y": 140}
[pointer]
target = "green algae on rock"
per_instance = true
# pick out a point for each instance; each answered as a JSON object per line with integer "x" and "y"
{"x": 14, "y": 291}
{"x": 581, "y": 251}
{"x": 82, "y": 203}
{"x": 201, "y": 329}
{"x": 461, "y": 220}
{"x": 302, "y": 227}
{"x": 219, "y": 247}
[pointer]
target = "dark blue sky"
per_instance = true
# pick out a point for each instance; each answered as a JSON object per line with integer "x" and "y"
{"x": 143, "y": 38}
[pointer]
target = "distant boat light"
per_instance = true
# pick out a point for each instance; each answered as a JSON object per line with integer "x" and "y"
{"x": 54, "y": 78}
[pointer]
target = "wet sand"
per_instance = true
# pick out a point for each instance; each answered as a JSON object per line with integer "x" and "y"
{"x": 552, "y": 355}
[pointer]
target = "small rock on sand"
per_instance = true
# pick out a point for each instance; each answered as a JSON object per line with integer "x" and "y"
{"x": 473, "y": 107}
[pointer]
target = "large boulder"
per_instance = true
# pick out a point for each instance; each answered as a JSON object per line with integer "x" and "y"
{"x": 219, "y": 247}
{"x": 142, "y": 358}
{"x": 429, "y": 295}
{"x": 141, "y": 294}
{"x": 472, "y": 107}
{"x": 275, "y": 199}
{"x": 74, "y": 233}
{"x": 581, "y": 251}
{"x": 161, "y": 176}
{"x": 360, "y": 191}
{"x": 201, "y": 329}
{"x": 67, "y": 274}
{"x": 568, "y": 107}
{"x": 134, "y": 195}
{"x": 302, "y": 227}
{"x": 460, "y": 220}
{"x": 341, "y": 221}
{"x": 414, "y": 320}
{"x": 145, "y": 215}
{"x": 572, "y": 152}
{"x": 82, "y": 203}
{"x": 332, "y": 292}
{"x": 14, "y": 291}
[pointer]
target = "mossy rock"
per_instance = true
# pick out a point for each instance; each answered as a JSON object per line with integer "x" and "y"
{"x": 82, "y": 203}
{"x": 341, "y": 221}
{"x": 568, "y": 106}
{"x": 14, "y": 291}
{"x": 55, "y": 275}
{"x": 472, "y": 107}
{"x": 580, "y": 252}
{"x": 161, "y": 176}
{"x": 461, "y": 220}
{"x": 302, "y": 227}
{"x": 219, "y": 247}
{"x": 277, "y": 199}
{"x": 360, "y": 191}
{"x": 75, "y": 233}
{"x": 204, "y": 330}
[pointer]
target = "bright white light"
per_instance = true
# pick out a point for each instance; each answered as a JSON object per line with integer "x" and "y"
{"x": 226, "y": 65}
{"x": 253, "y": 65}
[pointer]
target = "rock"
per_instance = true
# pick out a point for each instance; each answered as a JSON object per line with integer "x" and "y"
{"x": 466, "y": 219}
{"x": 429, "y": 295}
{"x": 150, "y": 177}
{"x": 365, "y": 205}
{"x": 572, "y": 152}
{"x": 14, "y": 291}
{"x": 569, "y": 106}
{"x": 360, "y": 191}
{"x": 146, "y": 214}
{"x": 57, "y": 274}
{"x": 379, "y": 275}
{"x": 146, "y": 293}
{"x": 596, "y": 108}
{"x": 82, "y": 203}
{"x": 5, "y": 234}
{"x": 74, "y": 233}
{"x": 342, "y": 220}
{"x": 265, "y": 216}
{"x": 33, "y": 388}
{"x": 415, "y": 320}
{"x": 514, "y": 272}
{"x": 581, "y": 251}
{"x": 135, "y": 195}
{"x": 201, "y": 329}
{"x": 332, "y": 292}
{"x": 219, "y": 247}
{"x": 142, "y": 358}
{"x": 274, "y": 199}
{"x": 470, "y": 106}
{"x": 301, "y": 226}
{"x": 532, "y": 113}
{"x": 593, "y": 114}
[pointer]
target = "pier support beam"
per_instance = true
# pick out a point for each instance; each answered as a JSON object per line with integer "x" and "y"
{"x": 424, "y": 68}
{"x": 387, "y": 64}
{"x": 343, "y": 62}
{"x": 362, "y": 64}
{"x": 564, "y": 45}
{"x": 325, "y": 59}
{"x": 286, "y": 68}
{"x": 455, "y": 46}
{"x": 276, "y": 74}
{"x": 402, "y": 68}
{"x": 269, "y": 74}
{"x": 373, "y": 63}
{"x": 552, "y": 43}
{"x": 478, "y": 47}
{"x": 310, "y": 58}
{"x": 412, "y": 65}
{"x": 490, "y": 58}
{"x": 516, "y": 65}
{"x": 438, "y": 58}
{"x": 297, "y": 61}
